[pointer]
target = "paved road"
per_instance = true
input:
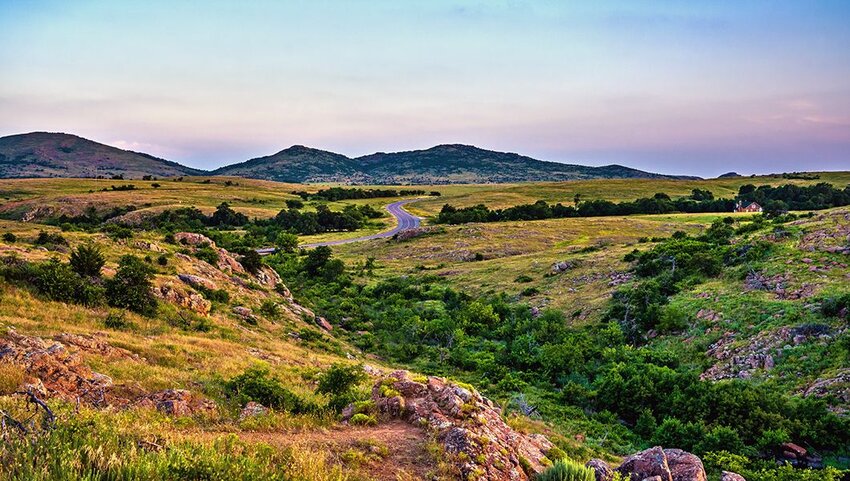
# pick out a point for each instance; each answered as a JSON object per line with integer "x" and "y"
{"x": 404, "y": 221}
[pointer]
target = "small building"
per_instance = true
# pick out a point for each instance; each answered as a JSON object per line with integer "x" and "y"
{"x": 751, "y": 207}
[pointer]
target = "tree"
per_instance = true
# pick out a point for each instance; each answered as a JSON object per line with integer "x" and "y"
{"x": 131, "y": 286}
{"x": 316, "y": 260}
{"x": 286, "y": 242}
{"x": 87, "y": 260}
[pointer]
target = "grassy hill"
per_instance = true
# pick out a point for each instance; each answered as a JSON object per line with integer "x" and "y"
{"x": 741, "y": 347}
{"x": 44, "y": 154}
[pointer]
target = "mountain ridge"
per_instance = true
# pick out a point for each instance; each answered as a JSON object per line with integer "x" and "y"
{"x": 46, "y": 154}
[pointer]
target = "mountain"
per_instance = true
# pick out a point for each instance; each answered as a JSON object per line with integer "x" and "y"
{"x": 298, "y": 164}
{"x": 443, "y": 164}
{"x": 45, "y": 154}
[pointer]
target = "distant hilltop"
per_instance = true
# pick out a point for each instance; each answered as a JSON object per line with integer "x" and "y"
{"x": 43, "y": 154}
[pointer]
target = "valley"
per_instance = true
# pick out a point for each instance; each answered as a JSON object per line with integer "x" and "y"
{"x": 231, "y": 351}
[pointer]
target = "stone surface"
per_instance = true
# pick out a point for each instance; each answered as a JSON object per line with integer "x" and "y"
{"x": 601, "y": 469}
{"x": 468, "y": 426}
{"x": 645, "y": 464}
{"x": 252, "y": 409}
{"x": 730, "y": 476}
{"x": 181, "y": 297}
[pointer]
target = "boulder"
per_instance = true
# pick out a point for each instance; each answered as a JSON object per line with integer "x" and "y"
{"x": 197, "y": 281}
{"x": 666, "y": 464}
{"x": 178, "y": 402}
{"x": 645, "y": 464}
{"x": 182, "y": 298}
{"x": 730, "y": 476}
{"x": 252, "y": 409}
{"x": 601, "y": 469}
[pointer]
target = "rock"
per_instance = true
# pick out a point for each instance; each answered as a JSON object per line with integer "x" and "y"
{"x": 794, "y": 451}
{"x": 563, "y": 266}
{"x": 179, "y": 402}
{"x": 730, "y": 476}
{"x": 252, "y": 409}
{"x": 684, "y": 466}
{"x": 465, "y": 424}
{"x": 601, "y": 469}
{"x": 665, "y": 464}
{"x": 268, "y": 277}
{"x": 197, "y": 281}
{"x": 192, "y": 239}
{"x": 182, "y": 298}
{"x": 645, "y": 464}
{"x": 324, "y": 324}
{"x": 147, "y": 246}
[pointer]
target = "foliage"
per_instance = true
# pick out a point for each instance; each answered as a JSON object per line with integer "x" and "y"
{"x": 339, "y": 383}
{"x": 256, "y": 384}
{"x": 87, "y": 260}
{"x": 131, "y": 286}
{"x": 50, "y": 238}
{"x": 334, "y": 194}
{"x": 10, "y": 237}
{"x": 567, "y": 470}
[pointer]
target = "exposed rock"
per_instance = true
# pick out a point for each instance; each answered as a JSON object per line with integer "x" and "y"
{"x": 252, "y": 409}
{"x": 836, "y": 385}
{"x": 563, "y": 266}
{"x": 245, "y": 313}
{"x": 601, "y": 469}
{"x": 95, "y": 344}
{"x": 730, "y": 476}
{"x": 757, "y": 353}
{"x": 178, "y": 402}
{"x": 182, "y": 298}
{"x": 226, "y": 261}
{"x": 148, "y": 246}
{"x": 644, "y": 464}
{"x": 469, "y": 426}
{"x": 197, "y": 281}
{"x": 665, "y": 464}
{"x": 324, "y": 324}
{"x": 268, "y": 277}
{"x": 193, "y": 239}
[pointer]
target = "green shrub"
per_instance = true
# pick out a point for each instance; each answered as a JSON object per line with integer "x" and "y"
{"x": 530, "y": 291}
{"x": 60, "y": 283}
{"x": 162, "y": 260}
{"x": 339, "y": 382}
{"x": 116, "y": 320}
{"x": 255, "y": 384}
{"x": 523, "y": 279}
{"x": 836, "y": 306}
{"x": 566, "y": 470}
{"x": 361, "y": 419}
{"x": 207, "y": 254}
{"x": 131, "y": 286}
{"x": 10, "y": 237}
{"x": 46, "y": 238}
{"x": 87, "y": 260}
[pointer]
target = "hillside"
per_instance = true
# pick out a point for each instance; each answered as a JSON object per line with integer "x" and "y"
{"x": 443, "y": 164}
{"x": 44, "y": 154}
{"x": 475, "y": 351}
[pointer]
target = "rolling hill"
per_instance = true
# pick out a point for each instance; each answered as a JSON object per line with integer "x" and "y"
{"x": 45, "y": 154}
{"x": 442, "y": 164}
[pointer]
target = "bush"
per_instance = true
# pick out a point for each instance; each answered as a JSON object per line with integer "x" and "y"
{"x": 131, "y": 286}
{"x": 255, "y": 384}
{"x": 116, "y": 320}
{"x": 836, "y": 306}
{"x": 566, "y": 470}
{"x": 361, "y": 419}
{"x": 60, "y": 283}
{"x": 87, "y": 260}
{"x": 46, "y": 238}
{"x": 286, "y": 242}
{"x": 10, "y": 238}
{"x": 339, "y": 382}
{"x": 207, "y": 254}
{"x": 162, "y": 260}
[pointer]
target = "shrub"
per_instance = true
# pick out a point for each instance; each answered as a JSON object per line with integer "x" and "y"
{"x": 162, "y": 260}
{"x": 270, "y": 309}
{"x": 836, "y": 306}
{"x": 87, "y": 260}
{"x": 530, "y": 291}
{"x": 10, "y": 237}
{"x": 339, "y": 382}
{"x": 47, "y": 238}
{"x": 286, "y": 242}
{"x": 251, "y": 260}
{"x": 116, "y": 320}
{"x": 361, "y": 419}
{"x": 131, "y": 286}
{"x": 566, "y": 470}
{"x": 255, "y": 384}
{"x": 60, "y": 283}
{"x": 208, "y": 254}
{"x": 522, "y": 279}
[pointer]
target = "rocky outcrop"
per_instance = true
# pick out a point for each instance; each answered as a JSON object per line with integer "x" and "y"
{"x": 468, "y": 426}
{"x": 730, "y": 476}
{"x": 601, "y": 470}
{"x": 252, "y": 409}
{"x": 54, "y": 371}
{"x": 183, "y": 298}
{"x": 742, "y": 360}
{"x": 835, "y": 386}
{"x": 665, "y": 464}
{"x": 226, "y": 261}
{"x": 197, "y": 281}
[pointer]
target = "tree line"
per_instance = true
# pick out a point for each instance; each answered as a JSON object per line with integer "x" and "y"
{"x": 774, "y": 200}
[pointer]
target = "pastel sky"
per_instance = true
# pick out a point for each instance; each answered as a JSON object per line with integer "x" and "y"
{"x": 682, "y": 87}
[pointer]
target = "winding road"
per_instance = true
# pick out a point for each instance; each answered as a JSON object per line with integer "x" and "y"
{"x": 404, "y": 221}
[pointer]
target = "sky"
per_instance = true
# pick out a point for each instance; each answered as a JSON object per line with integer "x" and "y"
{"x": 679, "y": 87}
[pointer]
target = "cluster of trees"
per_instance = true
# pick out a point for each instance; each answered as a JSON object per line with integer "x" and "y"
{"x": 647, "y": 391}
{"x": 341, "y": 193}
{"x": 323, "y": 219}
{"x": 775, "y": 200}
{"x": 80, "y": 280}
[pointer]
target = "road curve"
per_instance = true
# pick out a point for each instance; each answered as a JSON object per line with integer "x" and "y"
{"x": 404, "y": 221}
